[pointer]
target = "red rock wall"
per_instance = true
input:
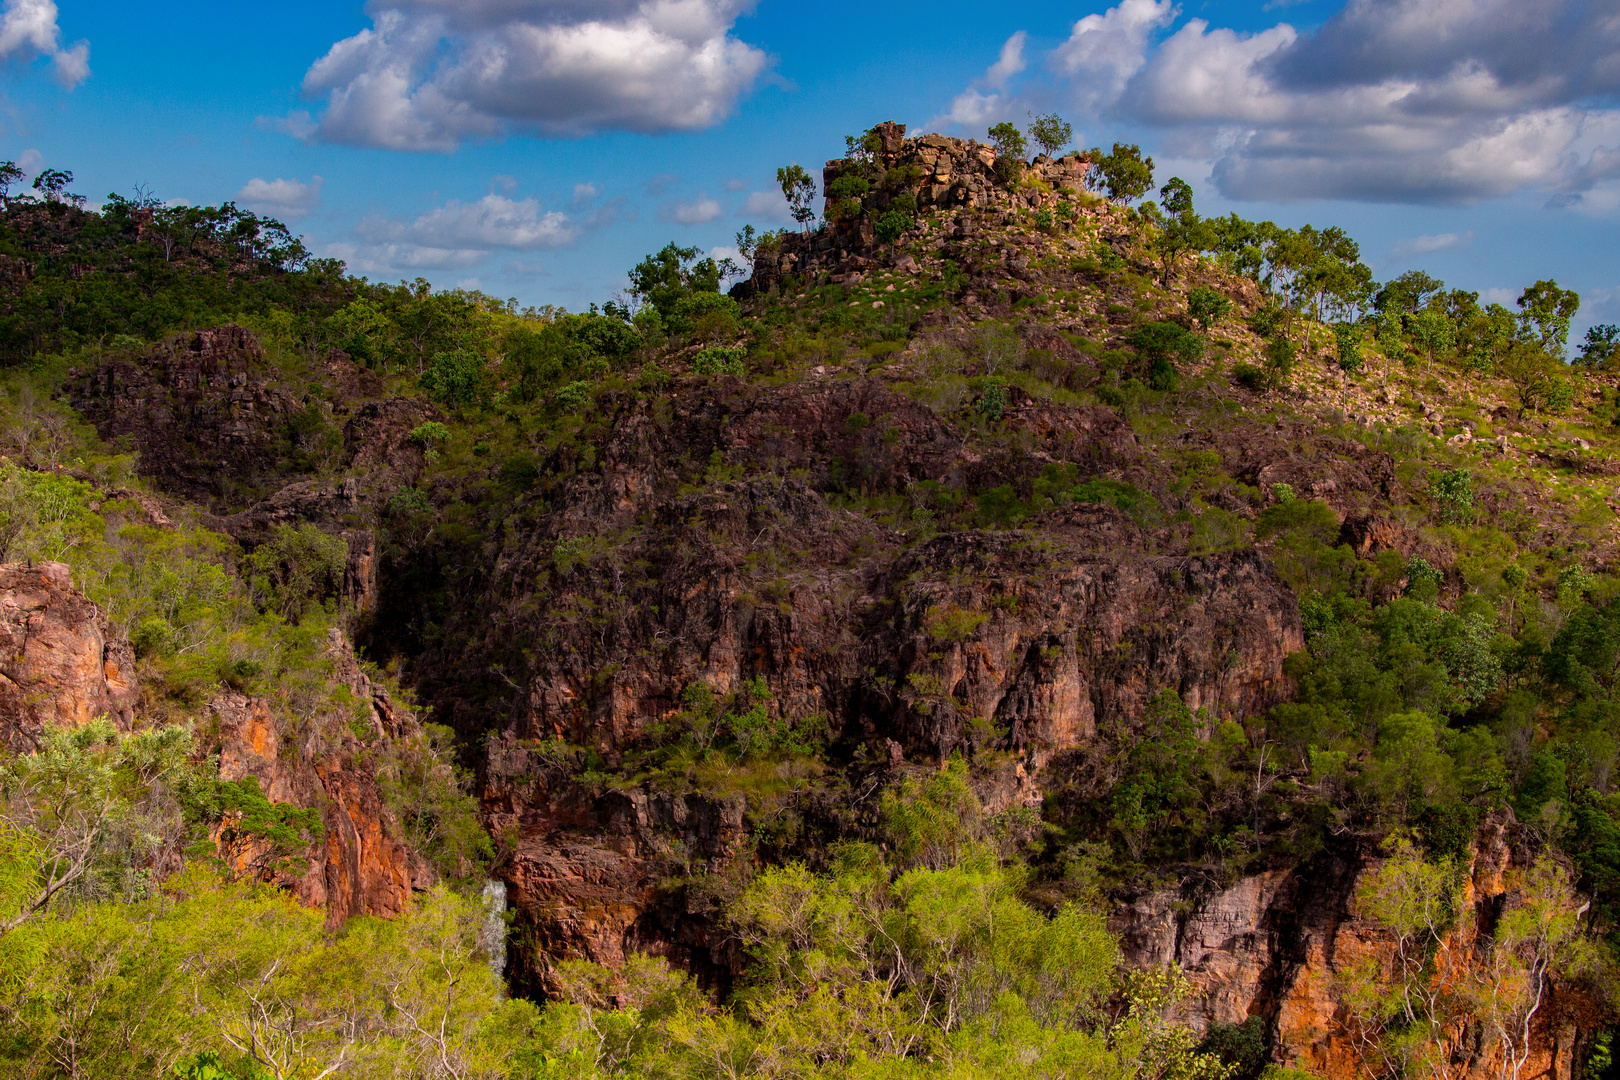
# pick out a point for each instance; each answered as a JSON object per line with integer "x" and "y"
{"x": 58, "y": 665}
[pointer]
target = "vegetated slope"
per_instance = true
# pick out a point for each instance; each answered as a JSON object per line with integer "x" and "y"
{"x": 1002, "y": 551}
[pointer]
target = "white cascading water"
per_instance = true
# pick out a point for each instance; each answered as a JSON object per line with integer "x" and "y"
{"x": 492, "y": 938}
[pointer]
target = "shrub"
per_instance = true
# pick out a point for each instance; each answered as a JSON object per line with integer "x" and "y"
{"x": 718, "y": 361}
{"x": 1423, "y": 580}
{"x": 992, "y": 401}
{"x": 454, "y": 379}
{"x": 296, "y": 568}
{"x": 431, "y": 433}
{"x": 1207, "y": 307}
{"x": 1453, "y": 493}
{"x": 1280, "y": 356}
{"x": 573, "y": 397}
{"x": 1249, "y": 377}
{"x": 691, "y": 310}
{"x": 948, "y": 624}
{"x": 891, "y": 226}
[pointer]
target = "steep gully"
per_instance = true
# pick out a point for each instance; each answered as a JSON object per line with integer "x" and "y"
{"x": 1077, "y": 632}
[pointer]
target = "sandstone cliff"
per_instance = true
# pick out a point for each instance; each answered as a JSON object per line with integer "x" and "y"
{"x": 59, "y": 665}
{"x": 1281, "y": 945}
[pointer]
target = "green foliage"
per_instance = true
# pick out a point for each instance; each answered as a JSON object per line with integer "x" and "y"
{"x": 1279, "y": 367}
{"x": 799, "y": 190}
{"x": 1125, "y": 174}
{"x": 1160, "y": 344}
{"x": 1011, "y": 149}
{"x": 430, "y": 796}
{"x": 1155, "y": 805}
{"x": 674, "y": 274}
{"x": 454, "y": 379}
{"x": 430, "y": 434}
{"x": 1051, "y": 133}
{"x": 992, "y": 400}
{"x": 891, "y": 226}
{"x": 297, "y": 568}
{"x": 1601, "y": 345}
{"x": 948, "y": 624}
{"x": 707, "y": 314}
{"x": 272, "y": 838}
{"x": 719, "y": 361}
{"x": 1347, "y": 342}
{"x": 1206, "y": 307}
{"x": 1545, "y": 311}
{"x": 1453, "y": 493}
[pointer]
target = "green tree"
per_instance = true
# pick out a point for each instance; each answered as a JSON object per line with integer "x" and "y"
{"x": 799, "y": 191}
{"x": 1407, "y": 293}
{"x": 673, "y": 274}
{"x": 1010, "y": 150}
{"x": 454, "y": 379}
{"x": 1124, "y": 174}
{"x": 1050, "y": 132}
{"x": 1347, "y": 339}
{"x": 1545, "y": 311}
{"x": 1160, "y": 344}
{"x": 10, "y": 174}
{"x": 297, "y": 567}
{"x": 1180, "y": 229}
{"x": 1206, "y": 307}
{"x": 1601, "y": 345}
{"x": 1431, "y": 331}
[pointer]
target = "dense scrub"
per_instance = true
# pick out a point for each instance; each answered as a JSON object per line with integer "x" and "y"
{"x": 1423, "y": 477}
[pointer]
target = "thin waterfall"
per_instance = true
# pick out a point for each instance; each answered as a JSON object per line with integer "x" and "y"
{"x": 492, "y": 937}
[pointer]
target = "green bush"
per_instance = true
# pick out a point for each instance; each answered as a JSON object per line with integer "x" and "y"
{"x": 689, "y": 311}
{"x": 454, "y": 379}
{"x": 891, "y": 226}
{"x": 296, "y": 568}
{"x": 431, "y": 433}
{"x": 1453, "y": 493}
{"x": 572, "y": 397}
{"x": 716, "y": 360}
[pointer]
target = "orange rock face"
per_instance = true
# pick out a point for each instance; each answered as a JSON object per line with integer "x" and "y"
{"x": 363, "y": 866}
{"x": 57, "y": 664}
{"x": 1279, "y": 945}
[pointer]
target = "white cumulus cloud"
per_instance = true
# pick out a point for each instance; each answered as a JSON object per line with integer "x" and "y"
{"x": 1103, "y": 51}
{"x": 28, "y": 29}
{"x": 455, "y": 235}
{"x": 973, "y": 107}
{"x": 1428, "y": 245}
{"x": 281, "y": 198}
{"x": 768, "y": 206}
{"x": 1417, "y": 101}
{"x": 430, "y": 74}
{"x": 699, "y": 211}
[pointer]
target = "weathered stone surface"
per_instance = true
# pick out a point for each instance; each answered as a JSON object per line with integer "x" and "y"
{"x": 363, "y": 865}
{"x": 58, "y": 663}
{"x": 1279, "y": 945}
{"x": 593, "y": 876}
{"x": 1081, "y": 631}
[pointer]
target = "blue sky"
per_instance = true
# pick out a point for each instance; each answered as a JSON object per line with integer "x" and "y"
{"x": 538, "y": 148}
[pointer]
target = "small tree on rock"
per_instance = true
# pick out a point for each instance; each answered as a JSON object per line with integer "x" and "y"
{"x": 1124, "y": 174}
{"x": 1010, "y": 150}
{"x": 1051, "y": 133}
{"x": 800, "y": 191}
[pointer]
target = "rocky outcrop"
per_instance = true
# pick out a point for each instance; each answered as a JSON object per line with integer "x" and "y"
{"x": 202, "y": 411}
{"x": 936, "y": 173}
{"x": 362, "y": 865}
{"x": 1280, "y": 945}
{"x": 598, "y": 875}
{"x": 996, "y": 640}
{"x": 59, "y": 665}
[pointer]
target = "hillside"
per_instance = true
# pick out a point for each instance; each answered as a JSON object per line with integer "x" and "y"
{"x": 1012, "y": 626}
